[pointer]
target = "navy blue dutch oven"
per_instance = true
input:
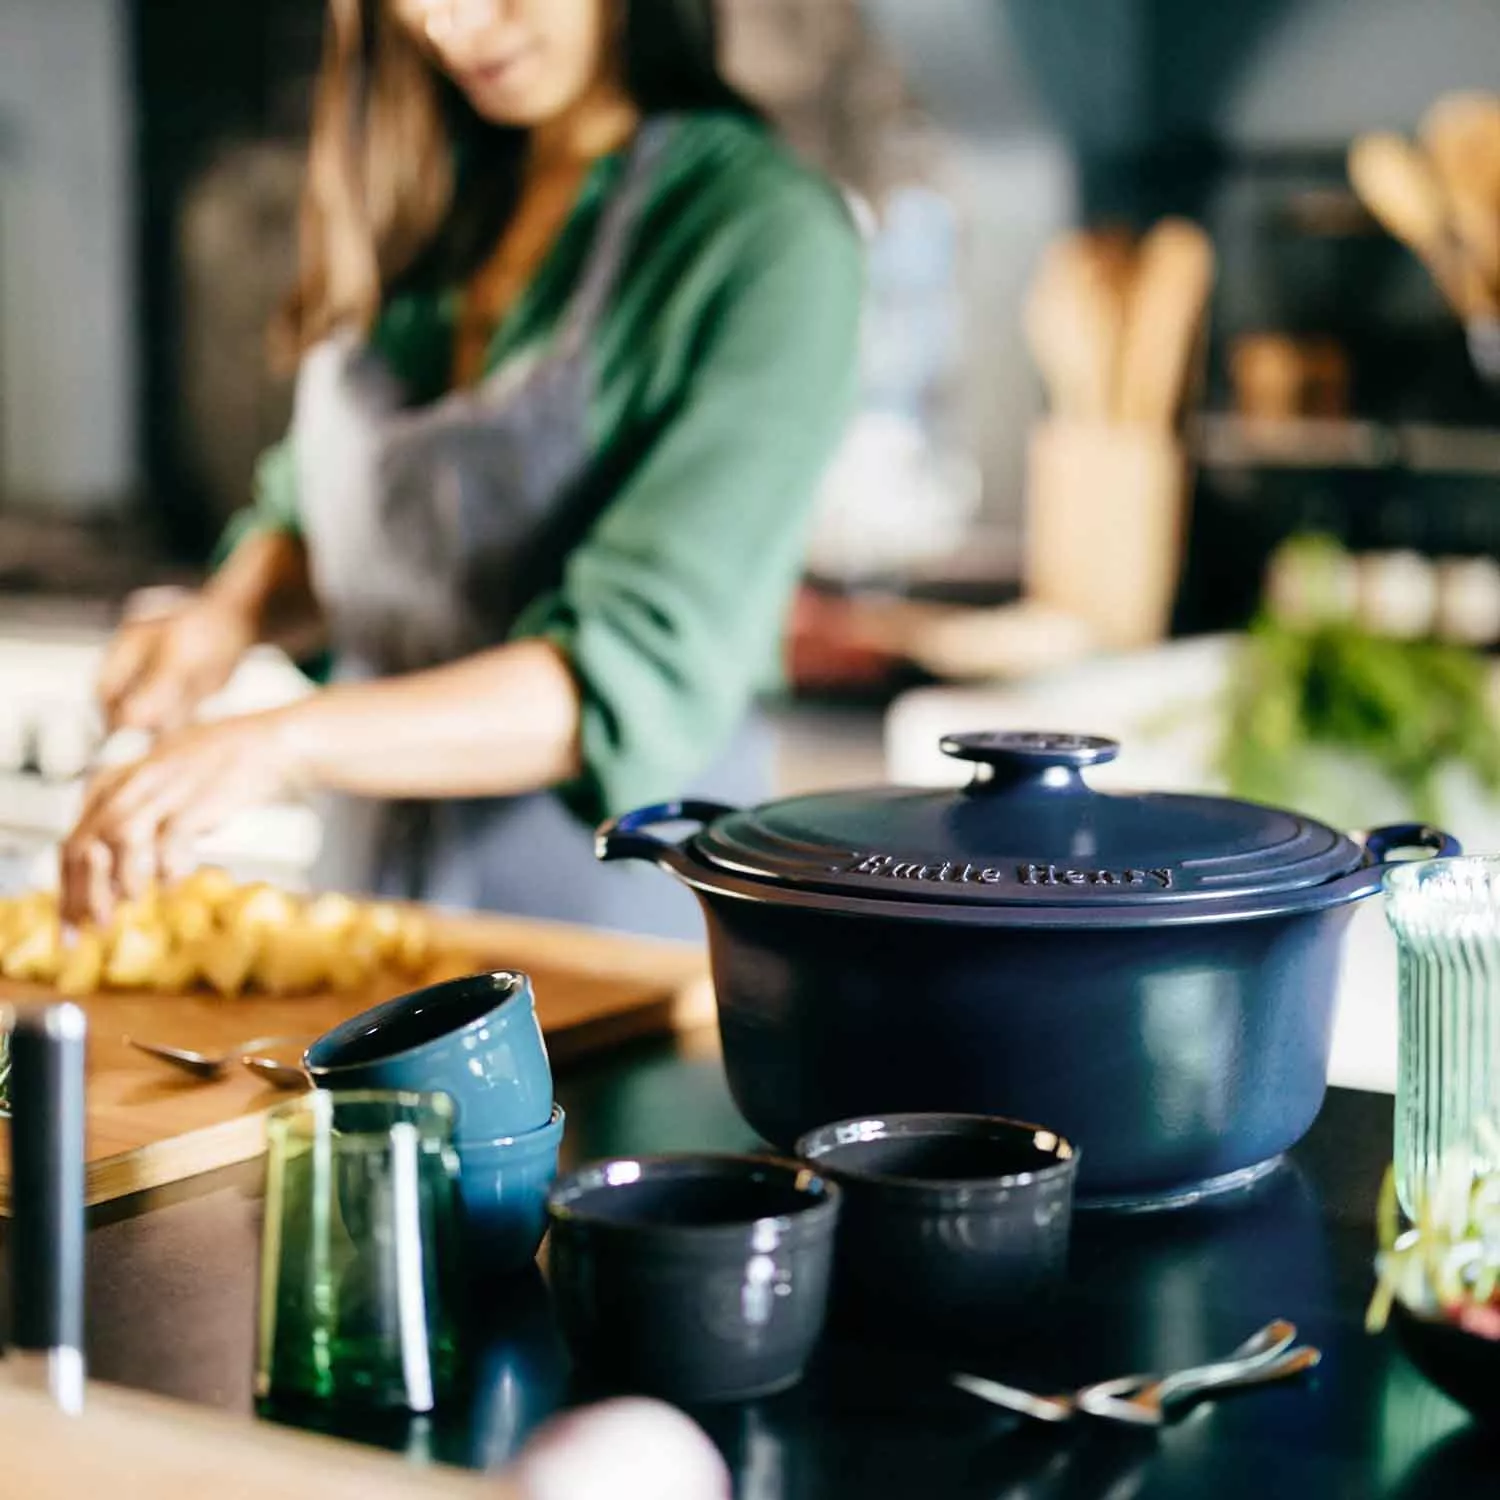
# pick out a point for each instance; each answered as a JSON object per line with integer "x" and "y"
{"x": 1152, "y": 975}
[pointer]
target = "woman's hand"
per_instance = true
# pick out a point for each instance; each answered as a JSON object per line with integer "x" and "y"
{"x": 160, "y": 667}
{"x": 497, "y": 724}
{"x": 139, "y": 820}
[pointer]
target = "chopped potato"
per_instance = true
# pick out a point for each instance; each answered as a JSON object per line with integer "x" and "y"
{"x": 143, "y": 911}
{"x": 25, "y": 914}
{"x": 401, "y": 937}
{"x": 353, "y": 962}
{"x": 333, "y": 911}
{"x": 260, "y": 906}
{"x": 414, "y": 948}
{"x": 228, "y": 959}
{"x": 181, "y": 969}
{"x": 189, "y": 918}
{"x": 83, "y": 965}
{"x": 36, "y": 956}
{"x": 294, "y": 961}
{"x": 209, "y": 884}
{"x": 136, "y": 951}
{"x": 206, "y": 930}
{"x": 383, "y": 922}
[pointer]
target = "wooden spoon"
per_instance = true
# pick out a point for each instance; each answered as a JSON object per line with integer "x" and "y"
{"x": 1174, "y": 275}
{"x": 1072, "y": 322}
{"x": 1112, "y": 248}
{"x": 1113, "y": 251}
{"x": 1398, "y": 184}
{"x": 1461, "y": 133}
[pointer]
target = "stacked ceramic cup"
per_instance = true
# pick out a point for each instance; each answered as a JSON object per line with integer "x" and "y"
{"x": 477, "y": 1040}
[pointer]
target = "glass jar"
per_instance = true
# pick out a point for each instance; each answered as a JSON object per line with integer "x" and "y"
{"x": 1445, "y": 914}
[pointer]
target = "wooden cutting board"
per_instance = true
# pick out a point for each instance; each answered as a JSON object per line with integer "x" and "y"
{"x": 149, "y": 1124}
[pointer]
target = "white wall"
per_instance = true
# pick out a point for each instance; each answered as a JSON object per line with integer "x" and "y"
{"x": 67, "y": 361}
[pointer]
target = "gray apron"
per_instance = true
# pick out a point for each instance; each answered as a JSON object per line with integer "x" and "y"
{"x": 429, "y": 530}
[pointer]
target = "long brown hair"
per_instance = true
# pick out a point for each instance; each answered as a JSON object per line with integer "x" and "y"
{"x": 407, "y": 184}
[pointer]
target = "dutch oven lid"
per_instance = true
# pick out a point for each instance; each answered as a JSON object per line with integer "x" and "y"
{"x": 1028, "y": 830}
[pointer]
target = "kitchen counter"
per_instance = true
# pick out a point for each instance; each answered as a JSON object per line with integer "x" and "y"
{"x": 172, "y": 1288}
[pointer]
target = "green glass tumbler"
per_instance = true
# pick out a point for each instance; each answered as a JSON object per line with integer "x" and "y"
{"x": 359, "y": 1276}
{"x": 1445, "y": 914}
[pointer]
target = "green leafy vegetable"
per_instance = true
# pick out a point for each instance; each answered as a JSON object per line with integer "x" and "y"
{"x": 1410, "y": 709}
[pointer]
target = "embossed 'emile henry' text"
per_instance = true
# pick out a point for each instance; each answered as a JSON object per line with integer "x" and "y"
{"x": 956, "y": 872}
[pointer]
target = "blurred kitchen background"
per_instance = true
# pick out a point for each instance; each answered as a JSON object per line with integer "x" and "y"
{"x": 1080, "y": 460}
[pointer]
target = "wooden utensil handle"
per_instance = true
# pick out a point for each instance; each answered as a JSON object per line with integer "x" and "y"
{"x": 1174, "y": 276}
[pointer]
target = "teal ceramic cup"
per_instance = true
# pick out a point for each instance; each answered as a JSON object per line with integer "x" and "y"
{"x": 503, "y": 1187}
{"x": 476, "y": 1039}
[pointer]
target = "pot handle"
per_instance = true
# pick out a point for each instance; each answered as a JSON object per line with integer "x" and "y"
{"x": 625, "y": 837}
{"x": 1382, "y": 843}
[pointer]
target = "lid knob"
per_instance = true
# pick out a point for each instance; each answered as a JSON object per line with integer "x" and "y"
{"x": 1011, "y": 756}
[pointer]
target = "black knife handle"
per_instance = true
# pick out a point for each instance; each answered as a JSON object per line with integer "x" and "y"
{"x": 47, "y": 1178}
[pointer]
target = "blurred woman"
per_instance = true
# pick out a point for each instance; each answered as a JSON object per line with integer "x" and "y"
{"x": 576, "y": 337}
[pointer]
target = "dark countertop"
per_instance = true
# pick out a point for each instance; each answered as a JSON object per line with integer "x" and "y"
{"x": 172, "y": 1290}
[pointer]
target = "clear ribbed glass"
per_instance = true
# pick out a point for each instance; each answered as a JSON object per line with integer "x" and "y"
{"x": 1446, "y": 917}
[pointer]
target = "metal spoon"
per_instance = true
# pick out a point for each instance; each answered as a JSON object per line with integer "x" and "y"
{"x": 1120, "y": 1401}
{"x": 279, "y": 1075}
{"x": 1261, "y": 1348}
{"x": 201, "y": 1065}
